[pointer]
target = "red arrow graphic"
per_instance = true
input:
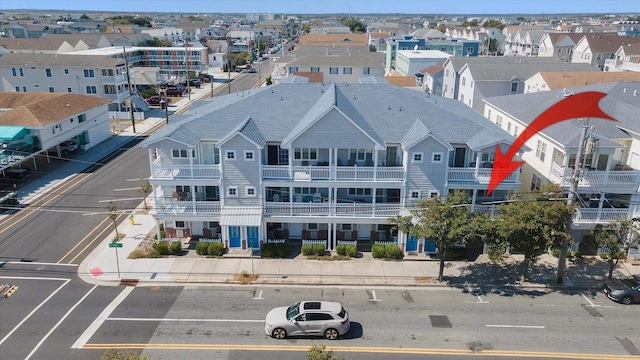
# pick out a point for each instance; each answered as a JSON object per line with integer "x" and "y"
{"x": 580, "y": 105}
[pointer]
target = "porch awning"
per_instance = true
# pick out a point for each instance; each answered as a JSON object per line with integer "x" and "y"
{"x": 10, "y": 133}
{"x": 241, "y": 216}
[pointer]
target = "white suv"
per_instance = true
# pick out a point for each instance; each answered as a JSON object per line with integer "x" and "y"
{"x": 308, "y": 318}
{"x": 67, "y": 147}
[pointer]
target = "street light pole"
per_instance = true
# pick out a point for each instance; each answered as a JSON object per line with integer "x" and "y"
{"x": 571, "y": 197}
{"x": 166, "y": 107}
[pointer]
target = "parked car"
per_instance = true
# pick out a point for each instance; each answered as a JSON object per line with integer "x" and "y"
{"x": 308, "y": 318}
{"x": 156, "y": 100}
{"x": 67, "y": 147}
{"x": 195, "y": 82}
{"x": 625, "y": 290}
{"x": 17, "y": 173}
{"x": 251, "y": 70}
{"x": 174, "y": 91}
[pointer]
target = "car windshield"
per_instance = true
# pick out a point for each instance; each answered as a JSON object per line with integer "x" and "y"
{"x": 293, "y": 311}
{"x": 630, "y": 282}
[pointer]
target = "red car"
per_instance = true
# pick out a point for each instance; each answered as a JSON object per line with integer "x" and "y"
{"x": 155, "y": 100}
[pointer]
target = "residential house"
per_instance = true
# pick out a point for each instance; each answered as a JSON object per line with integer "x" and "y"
{"x": 523, "y": 43}
{"x": 318, "y": 163}
{"x": 410, "y": 62}
{"x": 471, "y": 79}
{"x": 432, "y": 78}
{"x": 31, "y": 123}
{"x": 609, "y": 173}
{"x": 554, "y": 80}
{"x": 173, "y": 34}
{"x": 595, "y": 48}
{"x": 558, "y": 45}
{"x": 627, "y": 58}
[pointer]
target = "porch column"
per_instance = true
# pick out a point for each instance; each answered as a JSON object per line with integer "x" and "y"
{"x": 473, "y": 200}
{"x": 608, "y": 169}
{"x": 151, "y": 159}
{"x": 565, "y": 165}
{"x": 375, "y": 164}
{"x": 290, "y": 200}
{"x": 600, "y": 203}
{"x": 193, "y": 199}
{"x": 191, "y": 161}
{"x": 332, "y": 230}
{"x": 478, "y": 158}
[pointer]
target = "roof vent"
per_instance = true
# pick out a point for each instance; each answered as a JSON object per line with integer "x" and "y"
{"x": 635, "y": 92}
{"x": 566, "y": 93}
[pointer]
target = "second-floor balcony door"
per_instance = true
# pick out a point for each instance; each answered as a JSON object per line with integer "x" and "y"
{"x": 459, "y": 157}
{"x": 391, "y": 156}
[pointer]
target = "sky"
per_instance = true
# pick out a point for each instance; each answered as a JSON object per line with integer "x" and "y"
{"x": 302, "y": 7}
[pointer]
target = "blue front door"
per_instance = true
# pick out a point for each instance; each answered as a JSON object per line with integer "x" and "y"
{"x": 252, "y": 237}
{"x": 234, "y": 236}
{"x": 412, "y": 243}
{"x": 429, "y": 246}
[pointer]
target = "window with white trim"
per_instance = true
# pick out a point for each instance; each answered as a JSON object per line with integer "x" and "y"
{"x": 346, "y": 71}
{"x": 541, "y": 150}
{"x": 417, "y": 157}
{"x": 415, "y": 194}
{"x": 91, "y": 89}
{"x": 51, "y": 89}
{"x": 305, "y": 153}
{"x": 433, "y": 193}
{"x": 315, "y": 69}
{"x": 48, "y": 72}
{"x": 230, "y": 155}
{"x": 333, "y": 70}
{"x": 69, "y": 90}
{"x": 437, "y": 157}
{"x": 249, "y": 155}
{"x": 180, "y": 225}
{"x": 366, "y": 71}
{"x": 14, "y": 72}
{"x": 89, "y": 73}
{"x": 536, "y": 182}
{"x": 66, "y": 71}
{"x": 251, "y": 191}
{"x": 179, "y": 153}
{"x": 499, "y": 120}
{"x": 232, "y": 191}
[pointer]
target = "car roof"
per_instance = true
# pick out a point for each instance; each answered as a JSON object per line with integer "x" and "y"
{"x": 327, "y": 306}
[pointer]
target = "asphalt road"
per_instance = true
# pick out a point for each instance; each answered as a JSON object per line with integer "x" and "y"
{"x": 227, "y": 323}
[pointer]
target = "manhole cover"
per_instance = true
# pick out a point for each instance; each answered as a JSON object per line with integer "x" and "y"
{"x": 440, "y": 321}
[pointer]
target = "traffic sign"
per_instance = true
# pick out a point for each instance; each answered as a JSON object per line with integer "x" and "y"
{"x": 115, "y": 245}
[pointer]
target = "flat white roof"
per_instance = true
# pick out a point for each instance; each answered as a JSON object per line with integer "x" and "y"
{"x": 424, "y": 54}
{"x": 115, "y": 50}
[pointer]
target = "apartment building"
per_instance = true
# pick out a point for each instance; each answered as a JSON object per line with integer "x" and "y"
{"x": 610, "y": 171}
{"x": 324, "y": 163}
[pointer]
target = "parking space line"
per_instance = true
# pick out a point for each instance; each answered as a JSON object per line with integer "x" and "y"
{"x": 59, "y": 322}
{"x": 517, "y": 326}
{"x": 184, "y": 320}
{"x": 372, "y": 296}
{"x": 480, "y": 301}
{"x": 259, "y": 297}
{"x": 589, "y": 301}
{"x": 66, "y": 281}
{"x": 95, "y": 325}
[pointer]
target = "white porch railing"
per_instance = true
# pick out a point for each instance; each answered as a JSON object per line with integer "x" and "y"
{"x": 599, "y": 216}
{"x": 347, "y": 242}
{"x": 483, "y": 175}
{"x": 597, "y": 177}
{"x": 314, "y": 242}
{"x": 164, "y": 206}
{"x": 343, "y": 173}
{"x": 332, "y": 209}
{"x": 276, "y": 241}
{"x": 172, "y": 171}
{"x": 210, "y": 240}
{"x": 384, "y": 242}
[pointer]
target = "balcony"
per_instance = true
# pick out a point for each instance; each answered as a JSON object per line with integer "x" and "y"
{"x": 331, "y": 209}
{"x": 480, "y": 175}
{"x": 175, "y": 207}
{"x": 338, "y": 173}
{"x": 595, "y": 177}
{"x": 113, "y": 80}
{"x": 172, "y": 171}
{"x": 599, "y": 216}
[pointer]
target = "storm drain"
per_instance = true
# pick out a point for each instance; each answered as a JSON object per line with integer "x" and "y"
{"x": 440, "y": 321}
{"x": 591, "y": 310}
{"x": 129, "y": 282}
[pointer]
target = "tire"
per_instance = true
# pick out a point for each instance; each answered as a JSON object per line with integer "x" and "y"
{"x": 65, "y": 152}
{"x": 626, "y": 300}
{"x": 331, "y": 334}
{"x": 279, "y": 333}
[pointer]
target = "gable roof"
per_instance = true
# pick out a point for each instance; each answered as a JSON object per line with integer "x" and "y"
{"x": 570, "y": 79}
{"x": 384, "y": 113}
{"x": 39, "y": 109}
{"x": 608, "y": 42}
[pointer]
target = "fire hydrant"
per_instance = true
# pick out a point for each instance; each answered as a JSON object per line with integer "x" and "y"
{"x": 132, "y": 219}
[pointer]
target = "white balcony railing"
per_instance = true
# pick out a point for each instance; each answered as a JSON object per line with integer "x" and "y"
{"x": 172, "y": 171}
{"x": 599, "y": 216}
{"x": 483, "y": 175}
{"x": 342, "y": 173}
{"x": 332, "y": 209}
{"x": 164, "y": 206}
{"x": 596, "y": 177}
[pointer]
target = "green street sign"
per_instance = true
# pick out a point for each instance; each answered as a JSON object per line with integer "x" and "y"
{"x": 115, "y": 245}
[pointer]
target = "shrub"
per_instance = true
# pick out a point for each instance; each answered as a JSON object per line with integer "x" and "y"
{"x": 393, "y": 252}
{"x": 456, "y": 254}
{"x": 577, "y": 254}
{"x": 495, "y": 254}
{"x": 319, "y": 249}
{"x": 341, "y": 249}
{"x": 268, "y": 250}
{"x": 377, "y": 251}
{"x": 282, "y": 250}
{"x": 202, "y": 248}
{"x": 215, "y": 249}
{"x": 162, "y": 247}
{"x": 175, "y": 248}
{"x": 351, "y": 251}
{"x": 307, "y": 249}
{"x": 555, "y": 252}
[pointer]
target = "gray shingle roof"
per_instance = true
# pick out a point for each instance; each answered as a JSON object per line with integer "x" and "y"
{"x": 386, "y": 113}
{"x": 620, "y": 103}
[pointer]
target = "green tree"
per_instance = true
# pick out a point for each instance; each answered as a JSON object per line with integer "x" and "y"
{"x": 372, "y": 48}
{"x": 356, "y": 26}
{"x": 472, "y": 23}
{"x": 159, "y": 43}
{"x": 239, "y": 58}
{"x": 442, "y": 28}
{"x": 116, "y": 355}
{"x": 306, "y": 28}
{"x": 445, "y": 222}
{"x": 615, "y": 239}
{"x": 532, "y": 223}
{"x": 493, "y": 24}
{"x": 321, "y": 353}
{"x": 84, "y": 17}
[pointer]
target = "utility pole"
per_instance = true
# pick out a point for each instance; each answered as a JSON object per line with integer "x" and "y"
{"x": 229, "y": 64}
{"x": 571, "y": 200}
{"x": 126, "y": 67}
{"x": 166, "y": 106}
{"x": 186, "y": 51}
